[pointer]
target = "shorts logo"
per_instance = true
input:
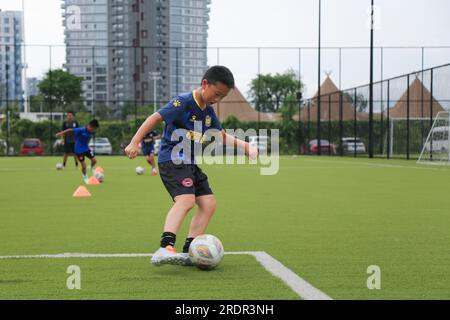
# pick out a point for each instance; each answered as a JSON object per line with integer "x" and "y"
{"x": 188, "y": 182}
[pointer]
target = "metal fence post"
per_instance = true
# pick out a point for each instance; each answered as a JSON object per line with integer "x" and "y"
{"x": 341, "y": 123}
{"x": 51, "y": 101}
{"x": 329, "y": 124}
{"x": 355, "y": 123}
{"x": 431, "y": 111}
{"x": 407, "y": 119}
{"x": 309, "y": 126}
{"x": 136, "y": 74}
{"x": 388, "y": 147}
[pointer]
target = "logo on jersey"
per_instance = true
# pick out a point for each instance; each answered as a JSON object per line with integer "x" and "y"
{"x": 208, "y": 121}
{"x": 176, "y": 103}
{"x": 188, "y": 182}
{"x": 194, "y": 118}
{"x": 195, "y": 136}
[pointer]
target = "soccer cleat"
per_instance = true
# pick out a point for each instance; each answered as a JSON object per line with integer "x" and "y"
{"x": 86, "y": 179}
{"x": 167, "y": 255}
{"x": 154, "y": 173}
{"x": 187, "y": 262}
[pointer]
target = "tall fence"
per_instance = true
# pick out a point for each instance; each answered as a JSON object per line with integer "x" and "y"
{"x": 403, "y": 106}
{"x": 404, "y": 109}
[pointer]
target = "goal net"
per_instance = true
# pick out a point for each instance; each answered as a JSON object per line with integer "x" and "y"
{"x": 436, "y": 149}
{"x": 404, "y": 136}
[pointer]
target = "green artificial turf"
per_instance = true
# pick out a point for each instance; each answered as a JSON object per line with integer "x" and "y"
{"x": 327, "y": 219}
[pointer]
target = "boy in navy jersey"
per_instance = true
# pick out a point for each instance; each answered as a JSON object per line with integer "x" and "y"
{"x": 148, "y": 149}
{"x": 82, "y": 150}
{"x": 69, "y": 140}
{"x": 188, "y": 115}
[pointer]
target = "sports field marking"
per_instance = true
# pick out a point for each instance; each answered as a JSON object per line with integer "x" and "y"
{"x": 276, "y": 268}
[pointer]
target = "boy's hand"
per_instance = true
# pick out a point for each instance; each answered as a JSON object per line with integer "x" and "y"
{"x": 132, "y": 150}
{"x": 252, "y": 153}
{"x": 59, "y": 134}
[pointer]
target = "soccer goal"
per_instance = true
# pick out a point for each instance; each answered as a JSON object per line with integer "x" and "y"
{"x": 396, "y": 135}
{"x": 437, "y": 146}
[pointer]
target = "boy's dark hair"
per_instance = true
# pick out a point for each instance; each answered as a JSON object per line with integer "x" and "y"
{"x": 94, "y": 124}
{"x": 220, "y": 74}
{"x": 71, "y": 112}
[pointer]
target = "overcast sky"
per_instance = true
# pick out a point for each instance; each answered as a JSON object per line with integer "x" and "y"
{"x": 286, "y": 23}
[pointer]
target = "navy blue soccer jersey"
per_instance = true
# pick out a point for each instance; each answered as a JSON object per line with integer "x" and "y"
{"x": 148, "y": 143}
{"x": 184, "y": 113}
{"x": 82, "y": 138}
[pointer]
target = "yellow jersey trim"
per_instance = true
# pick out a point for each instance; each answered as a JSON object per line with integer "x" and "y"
{"x": 196, "y": 101}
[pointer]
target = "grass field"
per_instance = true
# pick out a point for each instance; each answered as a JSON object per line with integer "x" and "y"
{"x": 326, "y": 219}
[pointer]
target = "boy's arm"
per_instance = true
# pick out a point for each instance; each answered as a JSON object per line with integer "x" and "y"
{"x": 229, "y": 140}
{"x": 62, "y": 133}
{"x": 133, "y": 148}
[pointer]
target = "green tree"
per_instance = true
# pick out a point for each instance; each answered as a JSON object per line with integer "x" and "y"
{"x": 270, "y": 91}
{"x": 361, "y": 101}
{"x": 130, "y": 109}
{"x": 60, "y": 89}
{"x": 289, "y": 129}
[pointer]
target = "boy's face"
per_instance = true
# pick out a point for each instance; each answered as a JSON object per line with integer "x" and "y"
{"x": 91, "y": 129}
{"x": 214, "y": 93}
{"x": 69, "y": 117}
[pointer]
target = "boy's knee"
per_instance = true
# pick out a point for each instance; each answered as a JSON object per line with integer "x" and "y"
{"x": 208, "y": 204}
{"x": 185, "y": 201}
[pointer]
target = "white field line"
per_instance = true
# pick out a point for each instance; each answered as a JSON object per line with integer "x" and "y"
{"x": 276, "y": 268}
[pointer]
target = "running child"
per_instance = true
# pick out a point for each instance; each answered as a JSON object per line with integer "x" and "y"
{"x": 148, "y": 149}
{"x": 82, "y": 150}
{"x": 69, "y": 141}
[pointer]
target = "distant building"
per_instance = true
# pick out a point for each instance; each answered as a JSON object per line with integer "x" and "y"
{"x": 11, "y": 62}
{"x": 188, "y": 31}
{"x": 33, "y": 86}
{"x": 43, "y": 116}
{"x": 86, "y": 38}
{"x": 125, "y": 50}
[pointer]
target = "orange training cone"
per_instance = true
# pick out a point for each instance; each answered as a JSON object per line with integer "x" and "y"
{"x": 81, "y": 192}
{"x": 99, "y": 170}
{"x": 93, "y": 181}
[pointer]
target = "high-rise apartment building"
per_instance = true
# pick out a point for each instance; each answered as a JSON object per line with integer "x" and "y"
{"x": 135, "y": 51}
{"x": 11, "y": 58}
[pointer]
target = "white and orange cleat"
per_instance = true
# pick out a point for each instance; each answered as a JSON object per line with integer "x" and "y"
{"x": 167, "y": 255}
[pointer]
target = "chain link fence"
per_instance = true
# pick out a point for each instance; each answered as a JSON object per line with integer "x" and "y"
{"x": 122, "y": 93}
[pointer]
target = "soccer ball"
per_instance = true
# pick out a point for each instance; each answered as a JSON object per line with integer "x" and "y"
{"x": 59, "y": 166}
{"x": 139, "y": 171}
{"x": 206, "y": 252}
{"x": 100, "y": 177}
